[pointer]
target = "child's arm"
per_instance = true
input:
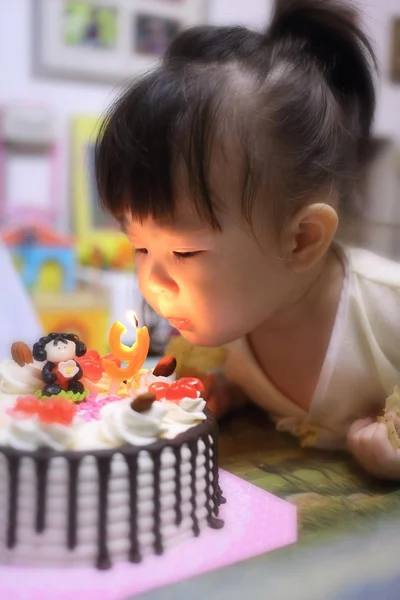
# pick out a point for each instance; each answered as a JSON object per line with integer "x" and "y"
{"x": 369, "y": 443}
{"x": 221, "y": 396}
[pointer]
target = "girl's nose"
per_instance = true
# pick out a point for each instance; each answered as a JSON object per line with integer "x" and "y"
{"x": 160, "y": 282}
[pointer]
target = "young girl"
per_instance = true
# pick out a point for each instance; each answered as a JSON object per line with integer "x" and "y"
{"x": 226, "y": 167}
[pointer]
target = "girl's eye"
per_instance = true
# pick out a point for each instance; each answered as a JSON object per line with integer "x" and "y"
{"x": 141, "y": 251}
{"x": 183, "y": 255}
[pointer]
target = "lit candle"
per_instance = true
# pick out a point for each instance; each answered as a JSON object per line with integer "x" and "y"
{"x": 134, "y": 356}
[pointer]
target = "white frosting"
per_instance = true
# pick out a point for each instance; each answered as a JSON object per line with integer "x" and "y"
{"x": 120, "y": 424}
{"x": 30, "y": 433}
{"x": 20, "y": 380}
{"x": 184, "y": 415}
{"x": 146, "y": 379}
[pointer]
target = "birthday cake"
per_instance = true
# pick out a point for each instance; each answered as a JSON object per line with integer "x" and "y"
{"x": 101, "y": 460}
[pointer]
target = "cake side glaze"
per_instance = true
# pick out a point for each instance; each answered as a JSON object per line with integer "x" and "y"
{"x": 180, "y": 473}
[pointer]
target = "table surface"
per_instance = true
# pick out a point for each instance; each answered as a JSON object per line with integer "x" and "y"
{"x": 349, "y": 524}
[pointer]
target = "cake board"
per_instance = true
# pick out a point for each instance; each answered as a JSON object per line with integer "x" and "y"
{"x": 256, "y": 522}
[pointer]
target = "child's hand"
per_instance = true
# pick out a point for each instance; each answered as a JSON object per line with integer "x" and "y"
{"x": 369, "y": 442}
{"x": 221, "y": 396}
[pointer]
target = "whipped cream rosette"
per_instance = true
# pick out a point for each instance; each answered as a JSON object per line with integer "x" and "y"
{"x": 146, "y": 379}
{"x": 33, "y": 423}
{"x": 183, "y": 403}
{"x": 15, "y": 380}
{"x": 163, "y": 372}
{"x": 120, "y": 424}
{"x": 183, "y": 415}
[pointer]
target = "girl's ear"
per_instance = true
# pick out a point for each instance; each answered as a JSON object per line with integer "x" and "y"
{"x": 310, "y": 234}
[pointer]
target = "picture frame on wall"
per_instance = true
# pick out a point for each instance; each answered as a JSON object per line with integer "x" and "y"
{"x": 99, "y": 240}
{"x": 395, "y": 51}
{"x": 107, "y": 40}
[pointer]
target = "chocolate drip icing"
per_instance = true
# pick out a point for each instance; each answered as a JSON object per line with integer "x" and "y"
{"x": 178, "y": 495}
{"x": 193, "y": 457}
{"x": 222, "y": 499}
{"x": 215, "y": 523}
{"x": 207, "y": 431}
{"x": 42, "y": 464}
{"x": 208, "y": 482}
{"x": 104, "y": 469}
{"x": 132, "y": 463}
{"x": 73, "y": 503}
{"x": 216, "y": 498}
{"x": 158, "y": 546}
{"x": 13, "y": 471}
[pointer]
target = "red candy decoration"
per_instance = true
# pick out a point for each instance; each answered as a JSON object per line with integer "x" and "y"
{"x": 92, "y": 355}
{"x": 90, "y": 364}
{"x": 186, "y": 387}
{"x": 54, "y": 410}
{"x": 57, "y": 410}
{"x": 194, "y": 382}
{"x": 159, "y": 389}
{"x": 177, "y": 391}
{"x": 27, "y": 404}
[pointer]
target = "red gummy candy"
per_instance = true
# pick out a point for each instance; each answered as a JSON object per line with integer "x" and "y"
{"x": 177, "y": 391}
{"x": 92, "y": 355}
{"x": 91, "y": 365}
{"x": 29, "y": 405}
{"x": 57, "y": 410}
{"x": 92, "y": 370}
{"x": 192, "y": 381}
{"x": 159, "y": 389}
{"x": 186, "y": 387}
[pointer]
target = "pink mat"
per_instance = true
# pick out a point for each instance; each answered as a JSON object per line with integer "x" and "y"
{"x": 255, "y": 522}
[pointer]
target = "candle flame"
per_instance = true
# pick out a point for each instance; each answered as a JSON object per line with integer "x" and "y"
{"x": 132, "y": 318}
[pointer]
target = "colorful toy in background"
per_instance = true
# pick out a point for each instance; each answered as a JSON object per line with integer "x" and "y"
{"x": 100, "y": 244}
{"x": 122, "y": 259}
{"x": 84, "y": 312}
{"x": 45, "y": 259}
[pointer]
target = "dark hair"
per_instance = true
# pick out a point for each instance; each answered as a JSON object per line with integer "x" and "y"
{"x": 39, "y": 353}
{"x": 298, "y": 101}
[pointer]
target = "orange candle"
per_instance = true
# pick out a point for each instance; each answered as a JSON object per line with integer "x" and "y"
{"x": 134, "y": 356}
{"x": 119, "y": 373}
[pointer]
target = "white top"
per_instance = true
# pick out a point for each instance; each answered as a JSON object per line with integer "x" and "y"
{"x": 361, "y": 366}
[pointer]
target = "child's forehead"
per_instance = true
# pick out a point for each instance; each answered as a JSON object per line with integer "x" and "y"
{"x": 181, "y": 223}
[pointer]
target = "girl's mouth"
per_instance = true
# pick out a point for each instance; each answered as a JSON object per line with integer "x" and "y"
{"x": 180, "y": 324}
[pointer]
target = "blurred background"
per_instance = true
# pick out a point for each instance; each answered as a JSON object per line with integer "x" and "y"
{"x": 62, "y": 63}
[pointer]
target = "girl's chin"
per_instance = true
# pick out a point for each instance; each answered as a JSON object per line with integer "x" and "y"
{"x": 197, "y": 338}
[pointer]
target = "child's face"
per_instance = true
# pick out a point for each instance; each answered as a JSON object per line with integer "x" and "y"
{"x": 233, "y": 281}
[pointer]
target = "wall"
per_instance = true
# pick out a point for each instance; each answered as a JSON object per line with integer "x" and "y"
{"x": 67, "y": 98}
